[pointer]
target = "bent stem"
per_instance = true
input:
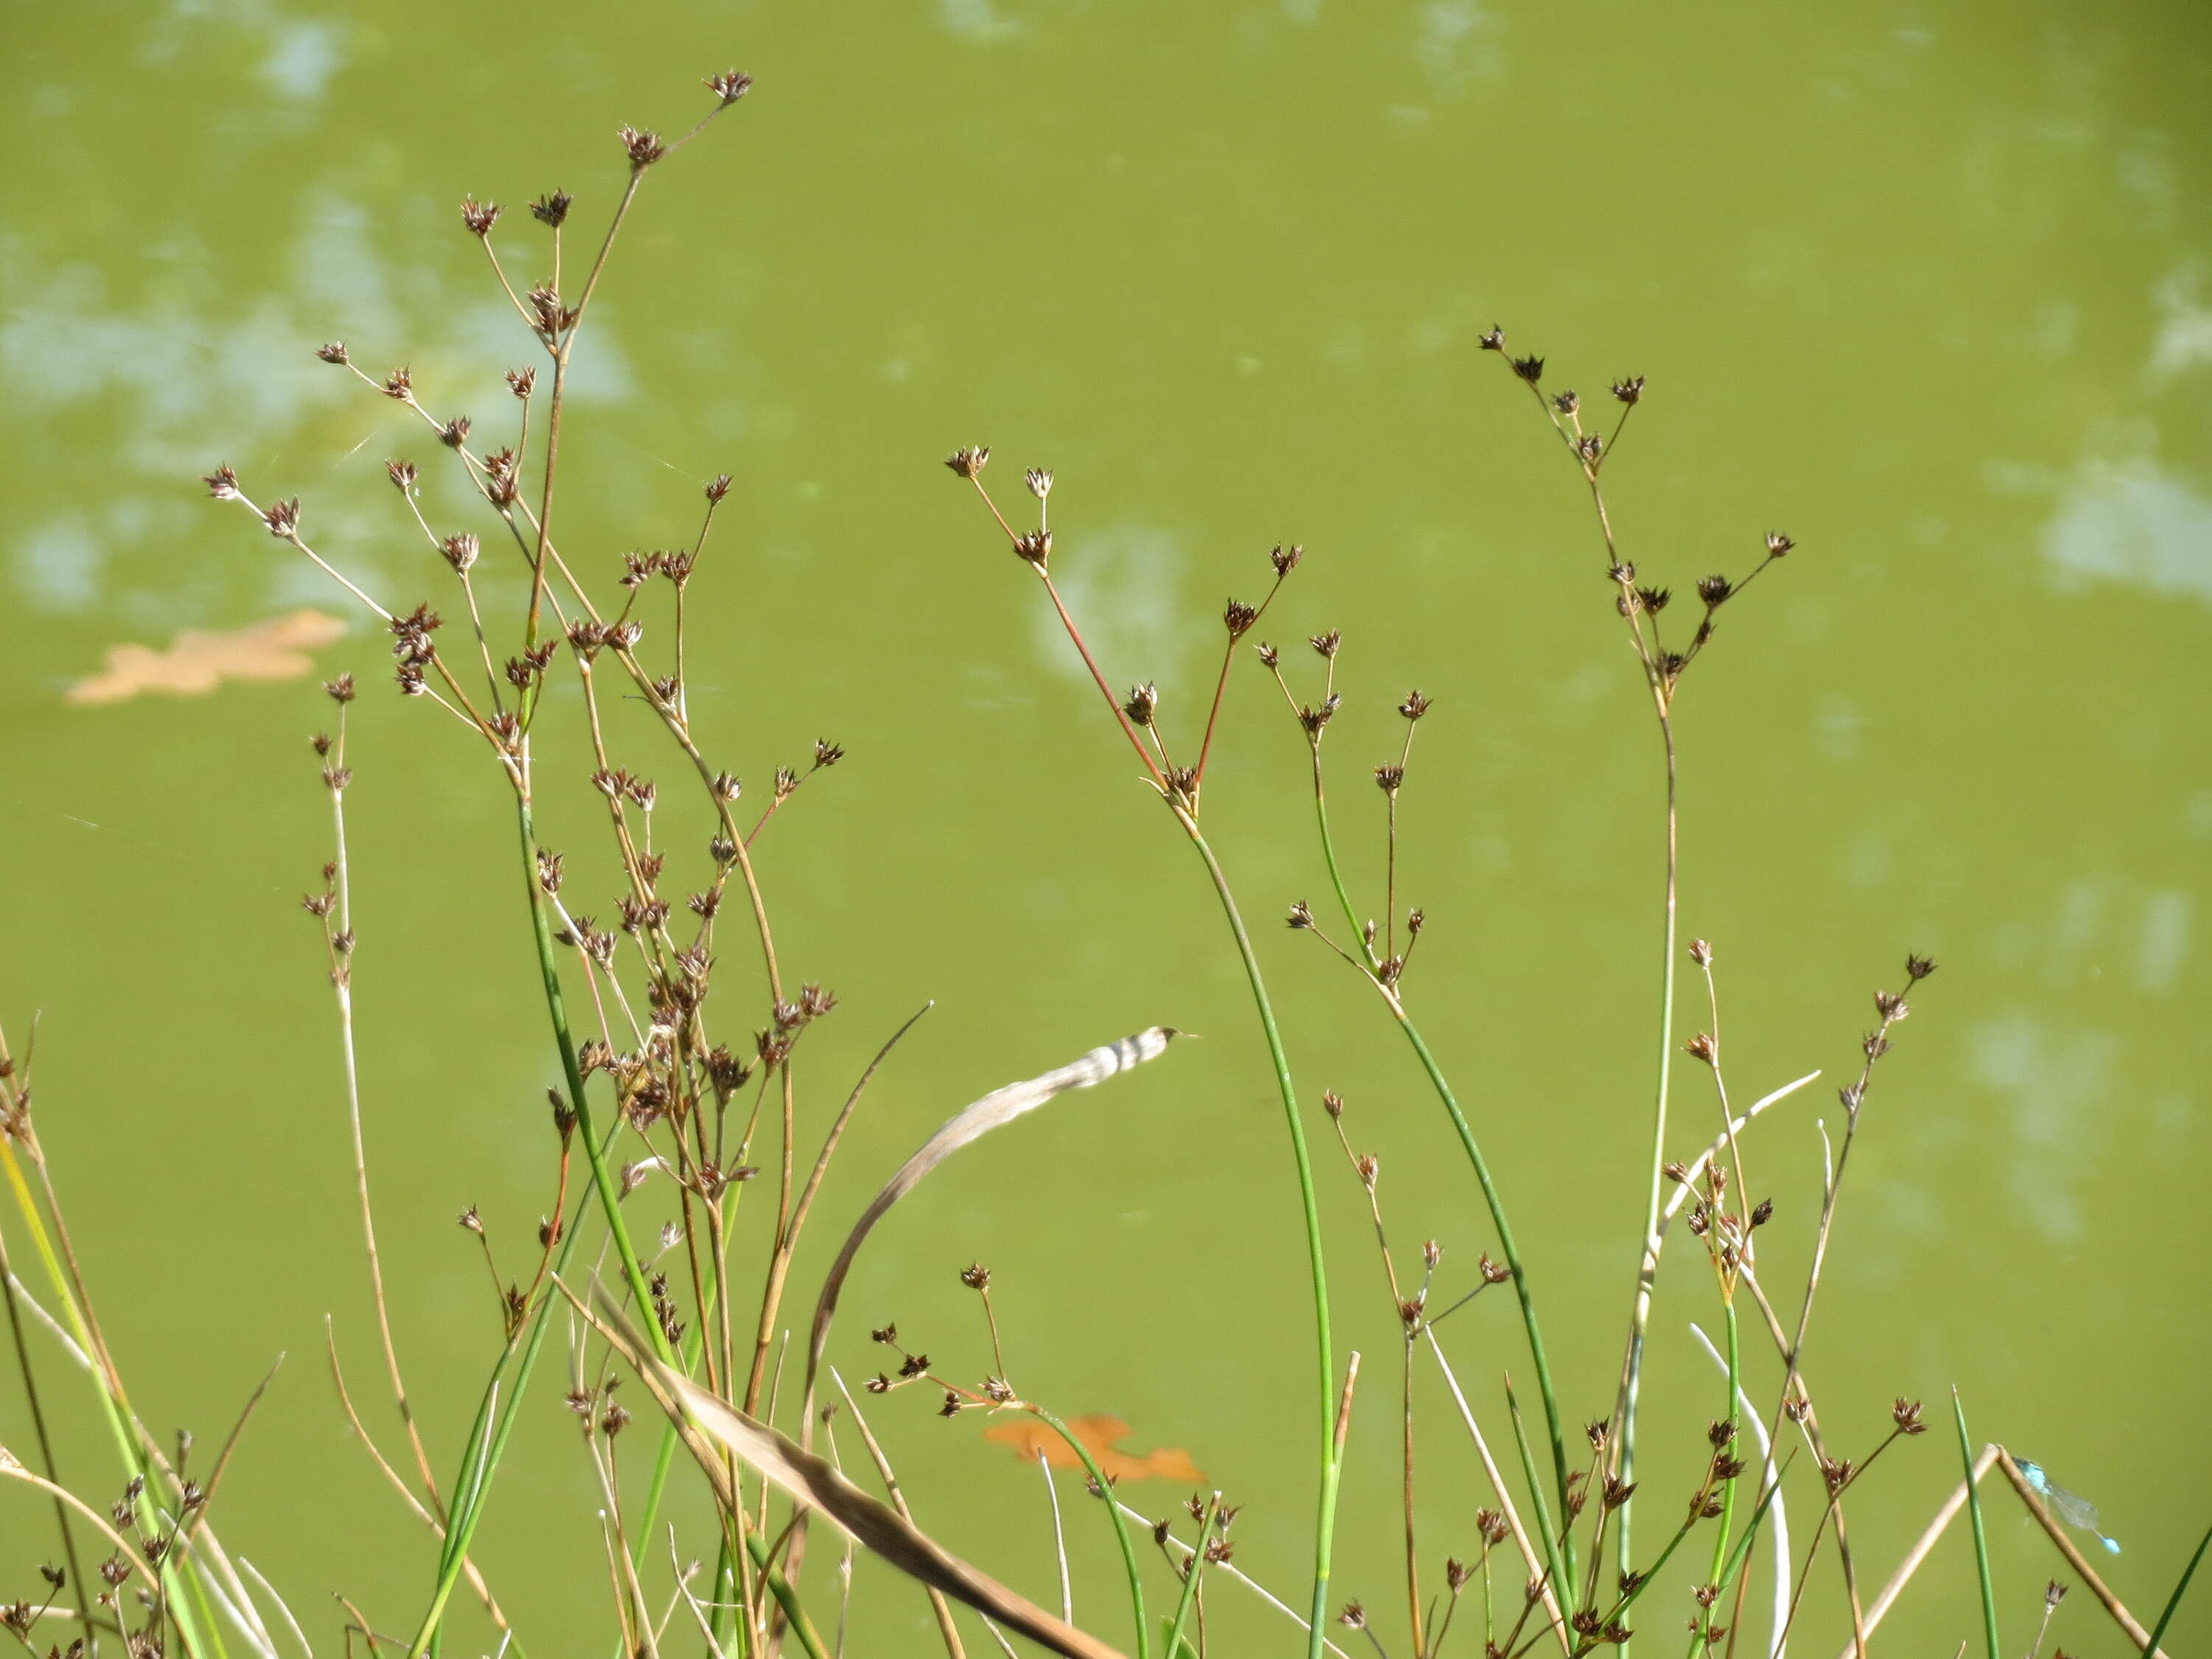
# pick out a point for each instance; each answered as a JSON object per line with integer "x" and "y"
{"x": 1491, "y": 1197}
{"x": 1331, "y": 1465}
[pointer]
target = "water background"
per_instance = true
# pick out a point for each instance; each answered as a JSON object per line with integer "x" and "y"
{"x": 1928, "y": 286}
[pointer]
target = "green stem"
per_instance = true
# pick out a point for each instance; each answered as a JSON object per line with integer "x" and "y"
{"x": 476, "y": 1477}
{"x": 123, "y": 1422}
{"x": 1325, "y": 1523}
{"x": 1490, "y": 1193}
{"x": 1648, "y": 1263}
{"x": 1981, "y": 1538}
{"x": 1721, "y": 1553}
{"x": 2173, "y": 1602}
{"x": 1328, "y": 853}
{"x": 1511, "y": 1252}
{"x": 1121, "y": 1526}
{"x": 1561, "y": 1572}
{"x": 603, "y": 1182}
{"x": 1190, "y": 1578}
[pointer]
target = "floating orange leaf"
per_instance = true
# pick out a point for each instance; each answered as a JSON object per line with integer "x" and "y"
{"x": 1099, "y": 1435}
{"x": 197, "y": 661}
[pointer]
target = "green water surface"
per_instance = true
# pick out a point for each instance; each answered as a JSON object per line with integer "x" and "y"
{"x": 1929, "y": 287}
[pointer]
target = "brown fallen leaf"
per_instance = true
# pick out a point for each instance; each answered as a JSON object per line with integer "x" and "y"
{"x": 1098, "y": 1433}
{"x": 198, "y": 661}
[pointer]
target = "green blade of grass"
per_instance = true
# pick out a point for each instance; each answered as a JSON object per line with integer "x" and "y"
{"x": 1981, "y": 1536}
{"x": 2173, "y": 1601}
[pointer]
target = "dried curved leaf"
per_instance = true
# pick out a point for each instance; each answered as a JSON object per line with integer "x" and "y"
{"x": 198, "y": 661}
{"x": 1101, "y": 1435}
{"x": 810, "y": 1482}
{"x": 972, "y": 1122}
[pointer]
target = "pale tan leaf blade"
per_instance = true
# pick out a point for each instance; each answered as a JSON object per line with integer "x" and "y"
{"x": 971, "y": 1123}
{"x": 812, "y": 1483}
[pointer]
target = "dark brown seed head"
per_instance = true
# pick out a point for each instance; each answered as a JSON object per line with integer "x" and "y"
{"x": 1036, "y": 546}
{"x": 521, "y": 381}
{"x": 1286, "y": 559}
{"x": 730, "y": 85}
{"x": 335, "y": 352}
{"x": 1144, "y": 702}
{"x": 478, "y": 216}
{"x": 1778, "y": 544}
{"x": 976, "y": 1278}
{"x": 1268, "y": 654}
{"x": 1714, "y": 590}
{"x": 1654, "y": 599}
{"x": 1331, "y": 1102}
{"x": 1494, "y": 340}
{"x": 1353, "y": 1615}
{"x": 222, "y": 485}
{"x": 1630, "y": 391}
{"x": 1415, "y": 705}
{"x": 1762, "y": 1213}
{"x": 1918, "y": 968}
{"x": 1390, "y": 778}
{"x": 1567, "y": 402}
{"x": 1315, "y": 719}
{"x": 1530, "y": 369}
{"x": 460, "y": 551}
{"x": 1238, "y": 618}
{"x": 1326, "y": 644}
{"x": 1493, "y": 1273}
{"x": 400, "y": 383}
{"x": 552, "y": 208}
{"x": 402, "y": 474}
{"x": 1906, "y": 1413}
{"x": 1702, "y": 1047}
{"x": 827, "y": 753}
{"x": 969, "y": 463}
{"x": 454, "y": 432}
{"x": 1301, "y": 914}
{"x": 1890, "y": 1005}
{"x": 282, "y": 518}
{"x": 643, "y": 146}
{"x": 340, "y": 690}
